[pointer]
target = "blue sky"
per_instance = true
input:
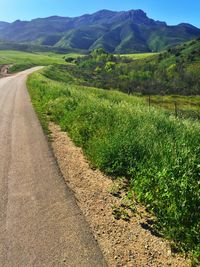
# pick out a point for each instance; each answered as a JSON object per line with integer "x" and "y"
{"x": 171, "y": 11}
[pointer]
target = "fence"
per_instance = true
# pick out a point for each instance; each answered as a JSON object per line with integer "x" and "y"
{"x": 180, "y": 106}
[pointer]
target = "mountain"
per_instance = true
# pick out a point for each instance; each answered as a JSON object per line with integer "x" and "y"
{"x": 3, "y": 25}
{"x": 116, "y": 32}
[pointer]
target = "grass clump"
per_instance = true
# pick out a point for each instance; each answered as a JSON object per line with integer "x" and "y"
{"x": 158, "y": 154}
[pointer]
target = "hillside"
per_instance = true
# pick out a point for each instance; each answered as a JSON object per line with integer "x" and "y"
{"x": 28, "y": 47}
{"x": 175, "y": 71}
{"x": 116, "y": 32}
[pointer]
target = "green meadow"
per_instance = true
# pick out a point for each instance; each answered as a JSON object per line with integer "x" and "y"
{"x": 24, "y": 60}
{"x": 139, "y": 55}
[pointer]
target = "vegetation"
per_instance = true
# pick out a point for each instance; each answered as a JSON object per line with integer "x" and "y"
{"x": 158, "y": 154}
{"x": 24, "y": 60}
{"x": 116, "y": 32}
{"x": 138, "y": 55}
{"x": 175, "y": 71}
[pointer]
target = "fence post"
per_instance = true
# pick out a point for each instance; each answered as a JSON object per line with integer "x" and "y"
{"x": 176, "y": 109}
{"x": 149, "y": 100}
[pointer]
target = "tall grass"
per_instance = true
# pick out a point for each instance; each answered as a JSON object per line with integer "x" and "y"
{"x": 122, "y": 136}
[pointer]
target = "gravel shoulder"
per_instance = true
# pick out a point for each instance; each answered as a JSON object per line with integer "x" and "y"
{"x": 124, "y": 243}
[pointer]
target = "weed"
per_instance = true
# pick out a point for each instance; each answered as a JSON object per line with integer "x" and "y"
{"x": 120, "y": 213}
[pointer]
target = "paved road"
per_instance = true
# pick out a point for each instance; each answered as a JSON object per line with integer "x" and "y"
{"x": 40, "y": 222}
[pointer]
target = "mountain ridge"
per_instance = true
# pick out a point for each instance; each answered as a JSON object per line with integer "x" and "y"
{"x": 116, "y": 31}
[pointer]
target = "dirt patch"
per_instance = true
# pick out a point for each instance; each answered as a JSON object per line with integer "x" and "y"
{"x": 4, "y": 70}
{"x": 126, "y": 240}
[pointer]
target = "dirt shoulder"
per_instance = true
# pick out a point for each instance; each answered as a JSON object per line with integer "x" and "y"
{"x": 124, "y": 243}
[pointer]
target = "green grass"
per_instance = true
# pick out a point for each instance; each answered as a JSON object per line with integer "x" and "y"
{"x": 24, "y": 60}
{"x": 158, "y": 154}
{"x": 139, "y": 55}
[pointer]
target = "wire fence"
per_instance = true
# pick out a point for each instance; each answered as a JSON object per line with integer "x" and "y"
{"x": 177, "y": 106}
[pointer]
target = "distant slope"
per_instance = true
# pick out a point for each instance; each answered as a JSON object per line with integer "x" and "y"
{"x": 29, "y": 47}
{"x": 118, "y": 32}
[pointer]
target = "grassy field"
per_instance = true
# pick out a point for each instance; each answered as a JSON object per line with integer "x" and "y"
{"x": 139, "y": 55}
{"x": 24, "y": 60}
{"x": 157, "y": 153}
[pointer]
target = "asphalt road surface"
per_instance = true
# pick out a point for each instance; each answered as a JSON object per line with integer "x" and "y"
{"x": 40, "y": 222}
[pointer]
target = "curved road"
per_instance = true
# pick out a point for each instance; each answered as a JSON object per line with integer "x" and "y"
{"x": 40, "y": 222}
